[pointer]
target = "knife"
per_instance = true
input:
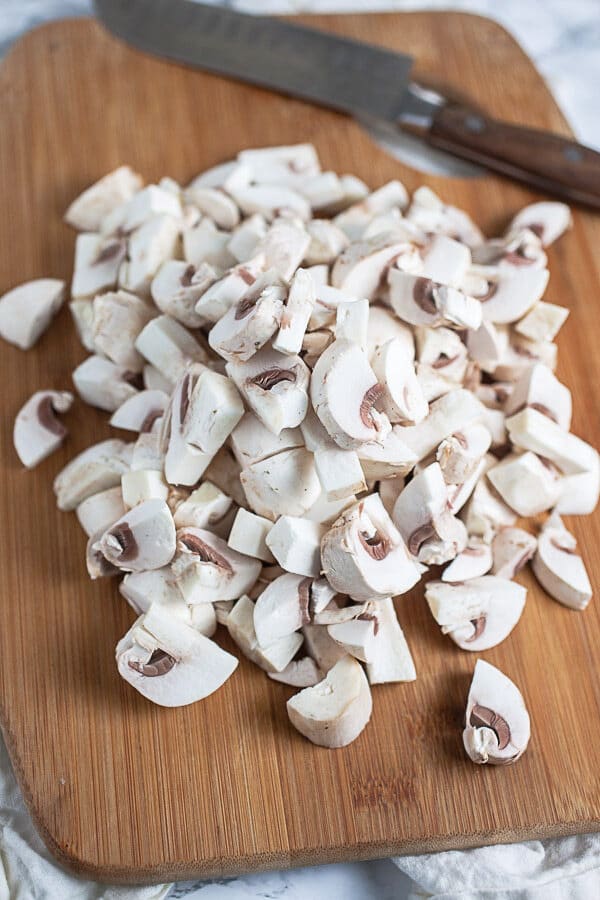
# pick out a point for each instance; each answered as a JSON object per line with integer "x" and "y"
{"x": 352, "y": 77}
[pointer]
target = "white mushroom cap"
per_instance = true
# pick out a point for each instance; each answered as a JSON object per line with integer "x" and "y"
{"x": 144, "y": 538}
{"x": 334, "y": 712}
{"x": 479, "y": 613}
{"x": 141, "y": 412}
{"x": 512, "y": 548}
{"x": 510, "y": 295}
{"x": 96, "y": 469}
{"x": 169, "y": 347}
{"x": 285, "y": 484}
{"x": 539, "y": 388}
{"x": 97, "y": 263}
{"x": 274, "y": 658}
{"x": 27, "y": 310}
{"x": 203, "y": 242}
{"x": 452, "y": 412}
{"x": 299, "y": 673}
{"x": 558, "y": 566}
{"x": 98, "y": 512}
{"x": 88, "y": 210}
{"x": 170, "y": 662}
{"x": 252, "y": 442}
{"x": 391, "y": 658}
{"x": 532, "y": 430}
{"x": 361, "y": 267}
{"x": 251, "y": 322}
{"x": 473, "y": 562}
{"x": 118, "y": 319}
{"x": 402, "y": 399}
{"x": 497, "y": 728}
{"x": 178, "y": 286}
{"x": 283, "y": 607}
{"x": 326, "y": 511}
{"x": 421, "y": 301}
{"x": 102, "y": 383}
{"x": 207, "y": 569}
{"x": 548, "y": 220}
{"x": 296, "y": 544}
{"x": 526, "y": 483}
{"x": 363, "y": 554}
{"x": 37, "y": 432}
{"x": 284, "y": 247}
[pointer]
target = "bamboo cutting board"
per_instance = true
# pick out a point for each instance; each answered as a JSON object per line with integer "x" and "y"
{"x": 122, "y": 790}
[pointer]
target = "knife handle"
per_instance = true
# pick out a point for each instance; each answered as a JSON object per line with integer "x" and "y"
{"x": 538, "y": 158}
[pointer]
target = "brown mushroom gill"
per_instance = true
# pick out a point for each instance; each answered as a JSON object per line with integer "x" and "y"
{"x": 483, "y": 717}
{"x": 187, "y": 276}
{"x": 159, "y": 663}
{"x": 423, "y": 295}
{"x": 206, "y": 553}
{"x": 304, "y": 599}
{"x": 419, "y": 536}
{"x": 246, "y": 275}
{"x": 371, "y": 397}
{"x": 377, "y": 545}
{"x": 126, "y": 541}
{"x": 149, "y": 420}
{"x": 109, "y": 251}
{"x": 572, "y": 551}
{"x": 47, "y": 419}
{"x": 185, "y": 397}
{"x": 270, "y": 377}
{"x": 478, "y": 629}
{"x": 443, "y": 360}
{"x": 492, "y": 287}
{"x": 370, "y": 617}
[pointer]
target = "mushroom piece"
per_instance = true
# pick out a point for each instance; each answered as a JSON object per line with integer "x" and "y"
{"x": 548, "y": 220}
{"x": 357, "y": 636}
{"x": 228, "y": 290}
{"x": 497, "y": 725}
{"x": 246, "y": 237}
{"x": 97, "y": 263}
{"x": 508, "y": 296}
{"x": 82, "y": 312}
{"x": 386, "y": 458}
{"x": 27, "y": 310}
{"x": 446, "y": 260}
{"x": 473, "y": 562}
{"x": 102, "y": 383}
{"x": 142, "y": 589}
{"x": 271, "y": 200}
{"x": 248, "y": 535}
{"x": 540, "y": 389}
{"x": 117, "y": 320}
{"x": 340, "y": 471}
{"x": 215, "y": 204}
{"x": 327, "y": 241}
{"x": 354, "y": 220}
{"x": 140, "y": 485}
{"x": 296, "y": 544}
{"x": 169, "y": 662}
{"x": 421, "y": 301}
{"x": 251, "y": 322}
{"x": 169, "y": 347}
{"x": 512, "y": 548}
{"x": 213, "y": 409}
{"x": 144, "y": 538}
{"x": 224, "y": 472}
{"x": 334, "y": 712}
{"x": 360, "y": 269}
{"x": 151, "y": 203}
{"x": 558, "y": 566}
{"x": 274, "y": 386}
{"x": 206, "y": 569}
{"x": 37, "y": 431}
{"x": 148, "y": 452}
{"x": 486, "y": 512}
{"x": 284, "y": 247}
{"x": 88, "y": 210}
{"x": 518, "y": 248}
{"x": 95, "y": 562}
{"x": 344, "y": 391}
{"x": 543, "y": 322}
{"x": 252, "y": 442}
{"x": 402, "y": 399}
{"x": 453, "y": 412}
{"x": 274, "y": 658}
{"x": 532, "y": 430}
{"x": 296, "y": 314}
{"x": 323, "y": 191}
{"x": 300, "y": 673}
{"x": 97, "y": 512}
{"x": 223, "y": 175}
{"x": 203, "y": 242}
{"x": 391, "y": 661}
{"x": 443, "y": 361}
{"x": 478, "y": 614}
{"x": 351, "y": 322}
{"x": 274, "y": 164}
{"x": 178, "y": 286}
{"x": 383, "y": 327}
{"x": 580, "y": 493}
{"x": 460, "y": 453}
{"x": 96, "y": 469}
{"x": 155, "y": 381}
{"x": 203, "y": 508}
{"x": 321, "y": 647}
{"x": 432, "y": 534}
{"x": 325, "y": 511}
{"x": 520, "y": 354}
{"x": 142, "y": 412}
{"x": 487, "y": 345}
{"x": 429, "y": 213}
{"x": 363, "y": 554}
{"x": 526, "y": 483}
{"x": 149, "y": 246}
{"x": 285, "y": 484}
{"x": 282, "y": 608}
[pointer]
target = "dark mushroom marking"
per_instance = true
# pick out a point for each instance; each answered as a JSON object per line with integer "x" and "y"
{"x": 518, "y": 258}
{"x": 492, "y": 287}
{"x": 377, "y": 545}
{"x": 110, "y": 251}
{"x": 538, "y": 229}
{"x": 419, "y": 536}
{"x": 478, "y": 629}
{"x": 187, "y": 276}
{"x": 572, "y": 551}
{"x": 268, "y": 378}
{"x": 473, "y": 551}
{"x": 424, "y": 295}
{"x": 371, "y": 397}
{"x": 483, "y": 717}
{"x": 304, "y": 599}
{"x": 247, "y": 304}
{"x": 47, "y": 419}
{"x": 185, "y": 397}
{"x": 461, "y": 440}
{"x": 160, "y": 663}
{"x": 246, "y": 275}
{"x": 444, "y": 360}
{"x": 206, "y": 553}
{"x": 543, "y": 410}
{"x": 124, "y": 536}
{"x": 149, "y": 420}
{"x": 370, "y": 617}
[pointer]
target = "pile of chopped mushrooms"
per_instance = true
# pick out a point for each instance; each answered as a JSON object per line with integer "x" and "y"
{"x": 329, "y": 390}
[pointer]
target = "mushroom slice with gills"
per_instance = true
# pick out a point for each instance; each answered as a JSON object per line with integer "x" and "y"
{"x": 446, "y": 260}
{"x": 518, "y": 249}
{"x": 248, "y": 535}
{"x": 150, "y": 203}
{"x": 558, "y": 566}
{"x": 149, "y": 246}
{"x": 363, "y": 554}
{"x": 178, "y": 286}
{"x": 497, "y": 724}
{"x": 334, "y": 712}
{"x": 429, "y": 213}
{"x": 171, "y": 663}
{"x": 97, "y": 263}
{"x": 422, "y": 515}
{"x": 271, "y": 201}
{"x": 96, "y": 469}
{"x": 246, "y": 237}
{"x": 248, "y": 325}
{"x": 460, "y": 453}
{"x": 274, "y": 386}
{"x": 285, "y": 484}
{"x": 184, "y": 463}
{"x": 282, "y": 608}
{"x": 327, "y": 241}
{"x": 452, "y": 412}
{"x": 203, "y": 242}
{"x": 206, "y": 569}
{"x": 169, "y": 347}
{"x": 344, "y": 391}
{"x": 360, "y": 269}
{"x": 543, "y": 322}
{"x": 274, "y": 658}
{"x": 391, "y": 657}
{"x": 300, "y": 673}
{"x": 386, "y": 458}
{"x": 477, "y": 614}
{"x": 354, "y": 220}
{"x": 98, "y": 512}
{"x": 532, "y": 430}
{"x": 296, "y": 544}
{"x": 421, "y": 301}
{"x": 296, "y": 314}
{"x": 27, "y": 310}
{"x": 88, "y": 210}
{"x": 383, "y": 327}
{"x": 442, "y": 352}
{"x": 102, "y": 383}
{"x": 487, "y": 345}
{"x": 215, "y": 204}
{"x": 508, "y": 296}
{"x": 252, "y": 442}
{"x": 520, "y": 354}
{"x": 284, "y": 247}
{"x": 321, "y": 647}
{"x": 144, "y": 538}
{"x": 526, "y": 483}
{"x": 268, "y": 164}
{"x": 228, "y": 290}
{"x": 547, "y": 219}
{"x": 540, "y": 389}
{"x": 472, "y": 562}
{"x": 96, "y": 563}
{"x": 213, "y": 410}
{"x": 142, "y": 412}
{"x": 402, "y": 399}
{"x": 140, "y": 485}
{"x": 203, "y": 508}
{"x": 512, "y": 548}
{"x": 118, "y": 318}
{"x": 37, "y": 431}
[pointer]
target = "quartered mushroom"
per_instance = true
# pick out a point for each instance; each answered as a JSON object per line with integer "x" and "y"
{"x": 96, "y": 469}
{"x": 37, "y": 431}
{"x": 102, "y": 383}
{"x": 27, "y": 310}
{"x": 271, "y": 200}
{"x": 548, "y": 220}
{"x": 327, "y": 240}
{"x": 252, "y": 442}
{"x": 90, "y": 208}
{"x": 538, "y": 388}
{"x": 361, "y": 268}
{"x": 227, "y": 290}
{"x": 285, "y": 484}
{"x": 246, "y": 237}
{"x": 446, "y": 260}
{"x": 507, "y": 296}
{"x": 140, "y": 485}
{"x": 248, "y": 535}
{"x": 558, "y": 566}
{"x": 282, "y": 608}
{"x": 169, "y": 347}
{"x": 383, "y": 327}
{"x": 543, "y": 322}
{"x": 532, "y": 430}
{"x": 150, "y": 245}
{"x": 472, "y": 562}
{"x": 512, "y": 548}
{"x": 178, "y": 286}
{"x": 354, "y": 220}
{"x": 142, "y": 412}
{"x": 249, "y": 324}
{"x": 284, "y": 247}
{"x": 117, "y": 320}
{"x": 422, "y": 301}
{"x": 391, "y": 660}
{"x": 203, "y": 242}
{"x": 157, "y": 587}
{"x": 526, "y": 483}
{"x": 97, "y": 263}
{"x": 519, "y": 248}
{"x": 497, "y": 725}
{"x": 151, "y": 202}
{"x": 97, "y": 512}
{"x": 275, "y": 657}
{"x": 214, "y": 203}
{"x": 460, "y": 453}
{"x": 402, "y": 398}
{"x": 388, "y": 457}
{"x": 143, "y": 538}
{"x": 479, "y": 613}
{"x": 485, "y": 512}
{"x": 206, "y": 569}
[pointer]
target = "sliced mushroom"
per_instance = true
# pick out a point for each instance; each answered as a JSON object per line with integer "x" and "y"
{"x": 487, "y": 345}
{"x": 248, "y": 535}
{"x": 528, "y": 484}
{"x": 284, "y": 247}
{"x": 323, "y": 191}
{"x": 321, "y": 646}
{"x": 558, "y": 566}
{"x": 252, "y": 442}
{"x": 102, "y": 383}
{"x": 531, "y": 430}
{"x": 300, "y": 673}
{"x": 485, "y": 511}
{"x": 383, "y": 327}
{"x": 519, "y": 248}
{"x": 360, "y": 269}
{"x": 142, "y": 589}
{"x": 148, "y": 452}
{"x": 37, "y": 431}
{"x": 296, "y": 544}
{"x": 452, "y": 412}
{"x": 224, "y": 176}
{"x": 88, "y": 210}
{"x": 169, "y": 347}
{"x": 579, "y": 496}
{"x": 325, "y": 511}
{"x": 460, "y": 453}
{"x": 96, "y": 469}
{"x": 334, "y": 712}
{"x": 95, "y": 562}
{"x": 97, "y": 512}
{"x": 354, "y": 220}
{"x": 539, "y": 389}
{"x": 169, "y": 662}
{"x": 203, "y": 242}
{"x": 363, "y": 554}
{"x": 421, "y": 301}
{"x": 206, "y": 569}
{"x": 472, "y": 562}
{"x": 433, "y": 216}
{"x": 246, "y": 237}
{"x": 282, "y": 608}
{"x": 249, "y": 324}
{"x": 446, "y": 260}
{"x": 214, "y": 203}
{"x": 497, "y": 725}
{"x": 144, "y": 538}
{"x": 479, "y": 613}
{"x": 27, "y": 310}
{"x": 391, "y": 657}
{"x": 402, "y": 399}
{"x": 97, "y": 263}
{"x": 228, "y": 290}
{"x": 543, "y": 322}
{"x": 271, "y": 200}
{"x": 117, "y": 320}
{"x": 327, "y": 241}
{"x": 274, "y": 658}
{"x": 548, "y": 220}
{"x": 285, "y": 484}
{"x": 357, "y": 636}
{"x": 152, "y": 244}
{"x": 213, "y": 410}
{"x": 140, "y": 485}
{"x": 203, "y": 508}
{"x": 512, "y": 548}
{"x": 142, "y": 412}
{"x": 178, "y": 286}
{"x": 508, "y": 296}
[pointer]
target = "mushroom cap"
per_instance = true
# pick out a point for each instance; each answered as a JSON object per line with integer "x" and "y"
{"x": 141, "y": 412}
{"x": 359, "y": 268}
{"x": 547, "y": 219}
{"x": 301, "y": 673}
{"x": 249, "y": 324}
{"x": 88, "y": 210}
{"x": 207, "y": 569}
{"x": 178, "y": 286}
{"x": 402, "y": 399}
{"x": 450, "y": 413}
{"x": 509, "y": 296}
{"x": 37, "y": 432}
{"x": 497, "y": 727}
{"x": 472, "y": 562}
{"x": 95, "y": 469}
{"x": 559, "y": 568}
{"x": 540, "y": 389}
{"x": 421, "y": 301}
{"x": 274, "y": 658}
{"x": 27, "y": 310}
{"x": 283, "y": 607}
{"x": 143, "y": 538}
{"x": 512, "y": 548}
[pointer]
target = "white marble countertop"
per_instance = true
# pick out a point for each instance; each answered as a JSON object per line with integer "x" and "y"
{"x": 562, "y": 39}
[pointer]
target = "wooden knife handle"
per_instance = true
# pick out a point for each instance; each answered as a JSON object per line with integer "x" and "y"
{"x": 539, "y": 158}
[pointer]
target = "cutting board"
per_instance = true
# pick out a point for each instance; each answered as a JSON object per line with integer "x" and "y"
{"x": 125, "y": 791}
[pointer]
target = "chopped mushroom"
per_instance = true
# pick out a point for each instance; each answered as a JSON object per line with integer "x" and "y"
{"x": 142, "y": 412}
{"x": 558, "y": 566}
{"x": 497, "y": 725}
{"x": 512, "y": 548}
{"x": 206, "y": 569}
{"x": 391, "y": 658}
{"x": 143, "y": 538}
{"x": 272, "y": 658}
{"x": 548, "y": 220}
{"x": 96, "y": 469}
{"x": 102, "y": 383}
{"x": 27, "y": 310}
{"x": 37, "y": 431}
{"x": 87, "y": 211}
{"x": 421, "y": 301}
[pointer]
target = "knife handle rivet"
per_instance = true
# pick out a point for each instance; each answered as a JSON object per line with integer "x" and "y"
{"x": 475, "y": 124}
{"x": 573, "y": 154}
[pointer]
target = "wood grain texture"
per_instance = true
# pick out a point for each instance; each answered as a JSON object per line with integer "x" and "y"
{"x": 122, "y": 790}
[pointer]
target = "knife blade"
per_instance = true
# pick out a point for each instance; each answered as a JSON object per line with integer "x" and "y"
{"x": 352, "y": 77}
